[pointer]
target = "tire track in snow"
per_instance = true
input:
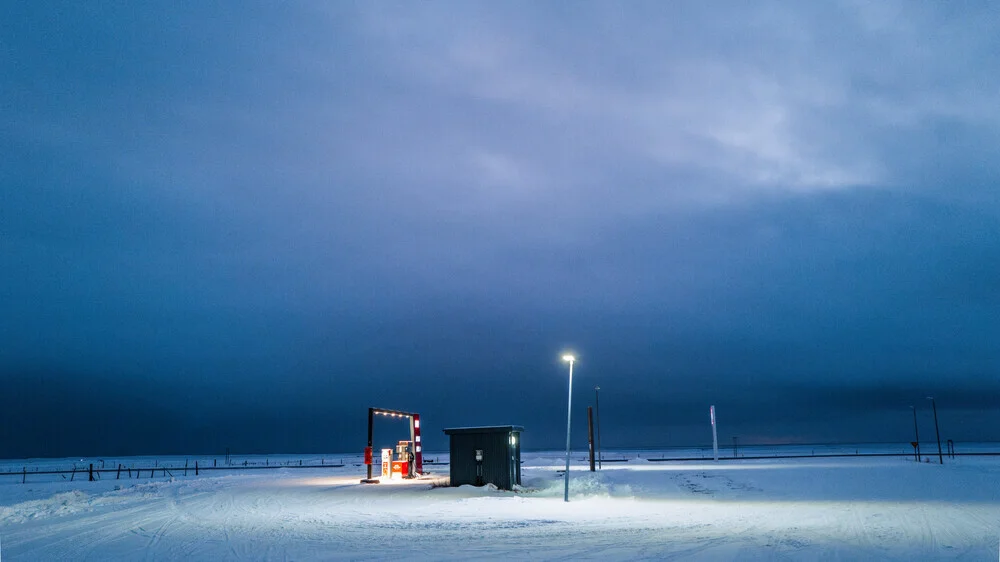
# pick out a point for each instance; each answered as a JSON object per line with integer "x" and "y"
{"x": 73, "y": 537}
{"x": 282, "y": 517}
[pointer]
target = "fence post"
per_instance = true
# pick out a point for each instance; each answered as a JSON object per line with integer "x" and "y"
{"x": 185, "y": 467}
{"x": 119, "y": 474}
{"x": 130, "y": 473}
{"x": 73, "y": 474}
{"x": 91, "y": 473}
{"x": 24, "y": 474}
{"x": 196, "y": 468}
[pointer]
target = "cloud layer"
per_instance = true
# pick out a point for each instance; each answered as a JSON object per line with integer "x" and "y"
{"x": 317, "y": 207}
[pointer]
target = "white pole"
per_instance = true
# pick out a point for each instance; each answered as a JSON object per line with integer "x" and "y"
{"x": 715, "y": 434}
{"x": 569, "y": 410}
{"x": 597, "y": 398}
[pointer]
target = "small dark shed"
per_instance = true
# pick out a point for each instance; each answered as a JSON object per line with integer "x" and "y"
{"x": 486, "y": 455}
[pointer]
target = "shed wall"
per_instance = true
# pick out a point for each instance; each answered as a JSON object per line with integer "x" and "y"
{"x": 498, "y": 466}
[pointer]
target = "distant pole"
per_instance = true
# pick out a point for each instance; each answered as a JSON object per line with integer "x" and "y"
{"x": 715, "y": 434}
{"x": 569, "y": 410}
{"x": 916, "y": 435}
{"x": 936, "y": 430}
{"x": 590, "y": 435}
{"x": 597, "y": 402}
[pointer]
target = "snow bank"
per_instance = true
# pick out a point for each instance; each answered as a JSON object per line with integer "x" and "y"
{"x": 65, "y": 503}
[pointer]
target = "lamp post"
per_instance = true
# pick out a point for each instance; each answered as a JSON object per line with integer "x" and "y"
{"x": 936, "y": 430}
{"x": 597, "y": 402}
{"x": 569, "y": 410}
{"x": 916, "y": 434}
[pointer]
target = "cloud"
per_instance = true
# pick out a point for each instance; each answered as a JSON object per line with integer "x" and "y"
{"x": 769, "y": 97}
{"x": 736, "y": 192}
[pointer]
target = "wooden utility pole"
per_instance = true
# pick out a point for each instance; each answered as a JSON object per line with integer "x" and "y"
{"x": 936, "y": 430}
{"x": 590, "y": 434}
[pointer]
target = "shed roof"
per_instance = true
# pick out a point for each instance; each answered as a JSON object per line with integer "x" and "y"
{"x": 484, "y": 429}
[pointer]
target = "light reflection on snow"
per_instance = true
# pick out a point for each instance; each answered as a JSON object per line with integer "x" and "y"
{"x": 339, "y": 481}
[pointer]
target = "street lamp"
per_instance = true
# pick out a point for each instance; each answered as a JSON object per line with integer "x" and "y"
{"x": 936, "y": 430}
{"x": 597, "y": 401}
{"x": 569, "y": 410}
{"x": 916, "y": 435}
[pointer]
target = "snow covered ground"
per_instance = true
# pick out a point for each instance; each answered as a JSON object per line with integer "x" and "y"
{"x": 854, "y": 508}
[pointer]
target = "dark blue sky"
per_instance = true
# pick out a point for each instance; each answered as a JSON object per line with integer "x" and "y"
{"x": 242, "y": 224}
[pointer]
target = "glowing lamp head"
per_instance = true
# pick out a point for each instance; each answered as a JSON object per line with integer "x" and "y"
{"x": 569, "y": 358}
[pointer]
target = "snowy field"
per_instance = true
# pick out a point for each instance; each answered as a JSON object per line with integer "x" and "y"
{"x": 852, "y": 508}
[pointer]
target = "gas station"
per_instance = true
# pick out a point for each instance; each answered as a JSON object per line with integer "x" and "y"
{"x": 407, "y": 460}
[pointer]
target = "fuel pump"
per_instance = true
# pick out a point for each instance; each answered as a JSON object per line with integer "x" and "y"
{"x": 403, "y": 465}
